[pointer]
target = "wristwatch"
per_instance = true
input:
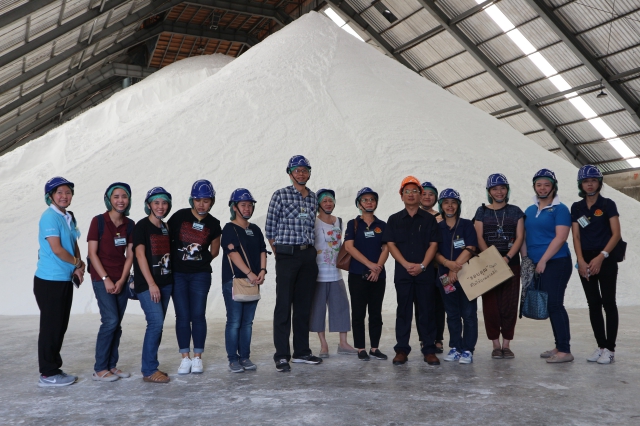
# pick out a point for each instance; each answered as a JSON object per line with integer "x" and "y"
{"x": 424, "y": 268}
{"x": 605, "y": 254}
{"x": 105, "y": 277}
{"x": 264, "y": 269}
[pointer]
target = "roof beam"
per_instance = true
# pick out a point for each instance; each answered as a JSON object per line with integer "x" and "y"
{"x": 351, "y": 13}
{"x": 247, "y": 7}
{"x": 593, "y": 65}
{"x": 134, "y": 39}
{"x": 574, "y": 155}
{"x": 23, "y": 11}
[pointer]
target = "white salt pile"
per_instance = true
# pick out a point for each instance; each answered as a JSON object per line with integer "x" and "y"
{"x": 361, "y": 118}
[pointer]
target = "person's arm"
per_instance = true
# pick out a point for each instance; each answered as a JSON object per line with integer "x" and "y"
{"x": 126, "y": 270}
{"x": 263, "y": 266}
{"x": 577, "y": 247}
{"x": 430, "y": 254}
{"x": 64, "y": 255}
{"x": 271, "y": 224}
{"x": 460, "y": 260}
{"x": 215, "y": 248}
{"x": 238, "y": 261}
{"x": 562, "y": 233}
{"x": 154, "y": 290}
{"x": 350, "y": 247}
{"x": 375, "y": 274}
{"x": 479, "y": 227}
{"x": 395, "y": 253}
{"x": 616, "y": 235}
{"x": 518, "y": 243}
{"x": 96, "y": 264}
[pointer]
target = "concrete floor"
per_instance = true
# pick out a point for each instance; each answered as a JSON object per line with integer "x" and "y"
{"x": 342, "y": 390}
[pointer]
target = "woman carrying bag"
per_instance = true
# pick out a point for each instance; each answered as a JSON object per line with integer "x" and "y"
{"x": 596, "y": 232}
{"x": 501, "y": 225}
{"x": 246, "y": 251}
{"x": 110, "y": 240}
{"x": 547, "y": 223}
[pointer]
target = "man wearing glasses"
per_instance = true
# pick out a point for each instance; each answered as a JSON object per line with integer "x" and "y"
{"x": 412, "y": 236}
{"x": 290, "y": 230}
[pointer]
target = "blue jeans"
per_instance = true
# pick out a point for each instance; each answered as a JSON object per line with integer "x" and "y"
{"x": 154, "y": 314}
{"x": 237, "y": 332}
{"x": 462, "y": 319}
{"x": 190, "y": 292}
{"x": 112, "y": 307}
{"x": 554, "y": 281}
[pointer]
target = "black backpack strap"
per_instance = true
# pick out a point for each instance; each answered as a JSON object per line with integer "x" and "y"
{"x": 100, "y": 228}
{"x": 130, "y": 226}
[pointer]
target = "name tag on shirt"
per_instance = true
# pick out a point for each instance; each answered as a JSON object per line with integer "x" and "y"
{"x": 164, "y": 231}
{"x": 198, "y": 226}
{"x": 122, "y": 241}
{"x": 303, "y": 213}
{"x": 369, "y": 234}
{"x": 249, "y": 232}
{"x": 459, "y": 243}
{"x": 583, "y": 221}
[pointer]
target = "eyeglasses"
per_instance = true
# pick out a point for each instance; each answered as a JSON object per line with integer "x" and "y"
{"x": 367, "y": 200}
{"x": 301, "y": 171}
{"x": 411, "y": 191}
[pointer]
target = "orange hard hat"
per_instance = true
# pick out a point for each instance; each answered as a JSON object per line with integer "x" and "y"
{"x": 410, "y": 179}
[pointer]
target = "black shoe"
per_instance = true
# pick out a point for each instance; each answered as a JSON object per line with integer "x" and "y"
{"x": 309, "y": 359}
{"x": 378, "y": 355}
{"x": 363, "y": 356}
{"x": 283, "y": 366}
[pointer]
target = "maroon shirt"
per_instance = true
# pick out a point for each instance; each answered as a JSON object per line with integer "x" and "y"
{"x": 111, "y": 256}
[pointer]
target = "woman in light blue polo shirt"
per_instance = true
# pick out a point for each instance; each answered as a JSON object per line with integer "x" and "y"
{"x": 58, "y": 261}
{"x": 547, "y": 224}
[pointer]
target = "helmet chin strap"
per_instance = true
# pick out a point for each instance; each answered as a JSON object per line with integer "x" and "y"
{"x": 304, "y": 183}
{"x": 498, "y": 201}
{"x": 450, "y": 215}
{"x": 365, "y": 209}
{"x": 542, "y": 197}
{"x": 592, "y": 194}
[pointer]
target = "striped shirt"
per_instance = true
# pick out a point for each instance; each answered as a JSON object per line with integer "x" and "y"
{"x": 291, "y": 218}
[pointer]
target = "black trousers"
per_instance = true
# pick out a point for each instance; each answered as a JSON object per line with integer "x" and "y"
{"x": 295, "y": 286}
{"x": 440, "y": 316}
{"x": 423, "y": 294}
{"x": 366, "y": 294}
{"x": 54, "y": 299}
{"x": 601, "y": 293}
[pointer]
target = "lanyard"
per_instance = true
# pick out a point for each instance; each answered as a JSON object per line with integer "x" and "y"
{"x": 500, "y": 230}
{"x": 452, "y": 237}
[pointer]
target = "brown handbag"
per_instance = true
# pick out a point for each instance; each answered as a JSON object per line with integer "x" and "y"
{"x": 344, "y": 258}
{"x": 243, "y": 290}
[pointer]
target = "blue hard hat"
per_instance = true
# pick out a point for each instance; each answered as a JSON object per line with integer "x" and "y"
{"x": 364, "y": 191}
{"x": 589, "y": 171}
{"x": 545, "y": 173}
{"x": 152, "y": 194}
{"x": 429, "y": 185}
{"x": 449, "y": 193}
{"x": 497, "y": 179}
{"x": 241, "y": 194}
{"x": 52, "y": 184}
{"x": 202, "y": 189}
{"x": 325, "y": 191}
{"x": 298, "y": 161}
{"x": 109, "y": 191}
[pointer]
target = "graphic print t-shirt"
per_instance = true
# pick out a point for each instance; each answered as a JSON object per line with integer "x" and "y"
{"x": 190, "y": 240}
{"x": 327, "y": 244}
{"x": 157, "y": 251}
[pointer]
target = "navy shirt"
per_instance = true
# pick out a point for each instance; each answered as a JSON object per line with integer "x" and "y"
{"x": 463, "y": 233}
{"x": 412, "y": 236}
{"x": 368, "y": 241}
{"x": 597, "y": 233}
{"x": 253, "y": 246}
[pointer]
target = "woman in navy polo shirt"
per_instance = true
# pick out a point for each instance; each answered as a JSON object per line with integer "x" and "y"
{"x": 596, "y": 231}
{"x": 462, "y": 314}
{"x": 367, "y": 275}
{"x": 58, "y": 261}
{"x": 110, "y": 239}
{"x": 547, "y": 223}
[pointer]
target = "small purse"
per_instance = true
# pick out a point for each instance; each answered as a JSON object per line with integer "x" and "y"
{"x": 242, "y": 289}
{"x": 130, "y": 289}
{"x": 344, "y": 258}
{"x": 535, "y": 301}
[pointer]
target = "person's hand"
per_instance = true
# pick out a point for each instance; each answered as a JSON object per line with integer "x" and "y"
{"x": 374, "y": 267}
{"x": 413, "y": 269}
{"x": 453, "y": 277}
{"x": 154, "y": 292}
{"x": 119, "y": 285}
{"x": 505, "y": 259}
{"x": 596, "y": 264}
{"x": 453, "y": 266}
{"x": 80, "y": 265}
{"x": 582, "y": 268}
{"x": 109, "y": 286}
{"x": 260, "y": 279}
{"x": 540, "y": 267}
{"x": 373, "y": 276}
{"x": 253, "y": 278}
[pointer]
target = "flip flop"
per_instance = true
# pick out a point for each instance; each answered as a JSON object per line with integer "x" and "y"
{"x": 156, "y": 377}
{"x": 103, "y": 377}
{"x": 120, "y": 373}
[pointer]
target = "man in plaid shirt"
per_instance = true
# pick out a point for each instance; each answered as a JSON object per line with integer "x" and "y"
{"x": 290, "y": 221}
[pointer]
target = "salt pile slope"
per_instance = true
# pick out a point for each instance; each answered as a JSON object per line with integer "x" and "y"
{"x": 360, "y": 117}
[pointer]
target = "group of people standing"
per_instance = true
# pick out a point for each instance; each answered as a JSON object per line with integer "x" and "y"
{"x": 428, "y": 239}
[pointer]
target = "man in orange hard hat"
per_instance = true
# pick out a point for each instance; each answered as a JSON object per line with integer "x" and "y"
{"x": 412, "y": 236}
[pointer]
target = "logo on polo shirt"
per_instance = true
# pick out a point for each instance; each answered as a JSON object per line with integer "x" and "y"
{"x": 377, "y": 230}
{"x": 598, "y": 213}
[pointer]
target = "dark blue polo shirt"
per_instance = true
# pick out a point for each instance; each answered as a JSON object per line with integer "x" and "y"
{"x": 368, "y": 241}
{"x": 597, "y": 233}
{"x": 412, "y": 236}
{"x": 464, "y": 231}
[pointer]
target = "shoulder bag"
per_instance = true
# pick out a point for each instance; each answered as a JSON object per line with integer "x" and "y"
{"x": 535, "y": 301}
{"x": 344, "y": 258}
{"x": 243, "y": 290}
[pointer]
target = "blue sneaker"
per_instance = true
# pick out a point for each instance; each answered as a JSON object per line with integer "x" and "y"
{"x": 466, "y": 358}
{"x": 62, "y": 379}
{"x": 453, "y": 355}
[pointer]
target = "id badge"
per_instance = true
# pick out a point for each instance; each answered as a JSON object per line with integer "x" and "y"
{"x": 303, "y": 213}
{"x": 198, "y": 226}
{"x": 249, "y": 232}
{"x": 119, "y": 242}
{"x": 459, "y": 243}
{"x": 164, "y": 231}
{"x": 369, "y": 234}
{"x": 583, "y": 221}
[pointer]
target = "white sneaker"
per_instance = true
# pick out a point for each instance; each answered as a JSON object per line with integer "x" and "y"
{"x": 607, "y": 357}
{"x": 453, "y": 355}
{"x": 466, "y": 358}
{"x": 595, "y": 355}
{"x": 196, "y": 365}
{"x": 185, "y": 366}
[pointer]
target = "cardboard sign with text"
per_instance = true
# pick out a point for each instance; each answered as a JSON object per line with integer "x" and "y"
{"x": 484, "y": 272}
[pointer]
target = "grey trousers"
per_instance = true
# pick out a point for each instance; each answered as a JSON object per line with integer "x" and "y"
{"x": 334, "y": 295}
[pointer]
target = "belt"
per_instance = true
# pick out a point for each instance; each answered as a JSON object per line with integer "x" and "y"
{"x": 302, "y": 247}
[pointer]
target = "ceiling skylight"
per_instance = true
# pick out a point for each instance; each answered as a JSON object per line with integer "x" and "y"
{"x": 341, "y": 22}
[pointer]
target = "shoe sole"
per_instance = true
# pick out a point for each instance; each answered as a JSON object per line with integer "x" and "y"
{"x": 183, "y": 374}
{"x": 399, "y": 363}
{"x": 283, "y": 370}
{"x": 377, "y": 357}
{"x": 451, "y": 360}
{"x": 237, "y": 371}
{"x": 364, "y": 359}
{"x": 196, "y": 372}
{"x": 302, "y": 361}
{"x": 254, "y": 367}
{"x": 54, "y": 385}
{"x": 606, "y": 363}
